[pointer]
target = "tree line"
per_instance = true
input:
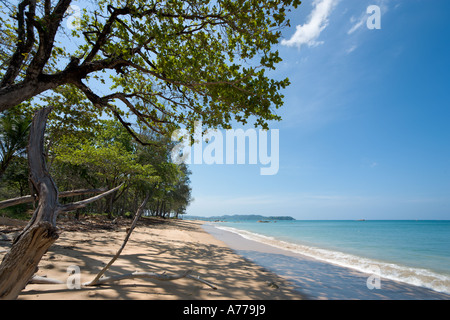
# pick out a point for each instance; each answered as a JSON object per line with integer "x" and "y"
{"x": 104, "y": 157}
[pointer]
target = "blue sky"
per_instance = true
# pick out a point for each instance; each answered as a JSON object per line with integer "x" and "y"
{"x": 365, "y": 130}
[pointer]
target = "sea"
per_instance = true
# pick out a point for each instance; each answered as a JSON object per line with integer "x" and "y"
{"x": 412, "y": 252}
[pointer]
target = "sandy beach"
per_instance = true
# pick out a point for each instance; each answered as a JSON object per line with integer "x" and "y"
{"x": 239, "y": 268}
{"x": 166, "y": 246}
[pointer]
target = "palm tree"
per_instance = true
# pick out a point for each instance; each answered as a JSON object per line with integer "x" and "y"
{"x": 14, "y": 129}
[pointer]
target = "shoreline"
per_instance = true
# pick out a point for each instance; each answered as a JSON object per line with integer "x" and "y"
{"x": 319, "y": 280}
{"x": 240, "y": 268}
{"x": 170, "y": 246}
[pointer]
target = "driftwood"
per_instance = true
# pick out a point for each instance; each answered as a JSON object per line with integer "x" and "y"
{"x": 44, "y": 280}
{"x": 21, "y": 261}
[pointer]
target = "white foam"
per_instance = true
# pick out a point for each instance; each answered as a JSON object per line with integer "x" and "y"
{"x": 414, "y": 276}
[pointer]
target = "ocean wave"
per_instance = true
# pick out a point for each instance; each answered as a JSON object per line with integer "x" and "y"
{"x": 414, "y": 276}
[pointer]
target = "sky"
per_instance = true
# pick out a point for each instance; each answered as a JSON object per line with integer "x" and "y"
{"x": 365, "y": 131}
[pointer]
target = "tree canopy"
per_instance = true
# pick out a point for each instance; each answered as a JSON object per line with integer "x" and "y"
{"x": 161, "y": 63}
{"x": 153, "y": 66}
{"x": 110, "y": 158}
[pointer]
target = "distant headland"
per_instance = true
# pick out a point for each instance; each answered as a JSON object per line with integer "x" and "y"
{"x": 240, "y": 217}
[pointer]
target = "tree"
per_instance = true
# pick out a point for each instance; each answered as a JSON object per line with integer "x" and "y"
{"x": 14, "y": 127}
{"x": 107, "y": 159}
{"x": 159, "y": 64}
{"x": 16, "y": 176}
{"x": 169, "y": 62}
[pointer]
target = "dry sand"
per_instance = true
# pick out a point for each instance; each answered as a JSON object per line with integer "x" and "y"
{"x": 170, "y": 246}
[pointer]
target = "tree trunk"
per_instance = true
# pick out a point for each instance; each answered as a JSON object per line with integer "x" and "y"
{"x": 109, "y": 208}
{"x": 20, "y": 263}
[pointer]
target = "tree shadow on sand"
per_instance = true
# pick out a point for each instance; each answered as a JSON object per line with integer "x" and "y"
{"x": 234, "y": 276}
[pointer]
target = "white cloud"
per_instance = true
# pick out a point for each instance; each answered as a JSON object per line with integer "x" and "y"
{"x": 359, "y": 22}
{"x": 308, "y": 33}
{"x": 351, "y": 49}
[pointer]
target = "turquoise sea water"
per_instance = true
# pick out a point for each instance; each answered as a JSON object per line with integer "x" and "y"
{"x": 414, "y": 252}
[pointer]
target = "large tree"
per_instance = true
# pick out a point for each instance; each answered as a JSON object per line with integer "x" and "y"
{"x": 159, "y": 64}
{"x": 168, "y": 62}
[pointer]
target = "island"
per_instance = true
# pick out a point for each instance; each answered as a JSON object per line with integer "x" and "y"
{"x": 241, "y": 217}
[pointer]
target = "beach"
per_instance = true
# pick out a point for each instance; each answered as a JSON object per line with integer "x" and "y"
{"x": 240, "y": 269}
{"x": 170, "y": 246}
{"x": 319, "y": 280}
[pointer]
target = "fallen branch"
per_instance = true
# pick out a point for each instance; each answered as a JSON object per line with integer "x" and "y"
{"x": 152, "y": 275}
{"x": 81, "y": 204}
{"x": 130, "y": 230}
{"x": 134, "y": 275}
{"x": 29, "y": 198}
{"x": 197, "y": 278}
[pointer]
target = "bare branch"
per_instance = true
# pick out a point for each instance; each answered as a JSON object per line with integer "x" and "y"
{"x": 28, "y": 199}
{"x": 130, "y": 230}
{"x": 19, "y": 264}
{"x": 134, "y": 275}
{"x": 81, "y": 204}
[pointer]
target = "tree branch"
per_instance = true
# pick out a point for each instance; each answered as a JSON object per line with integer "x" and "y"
{"x": 24, "y": 41}
{"x": 47, "y": 33}
{"x": 102, "y": 102}
{"x": 30, "y": 198}
{"x": 105, "y": 32}
{"x": 81, "y": 204}
{"x": 139, "y": 212}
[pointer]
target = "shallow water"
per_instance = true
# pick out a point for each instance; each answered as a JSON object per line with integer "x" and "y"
{"x": 319, "y": 272}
